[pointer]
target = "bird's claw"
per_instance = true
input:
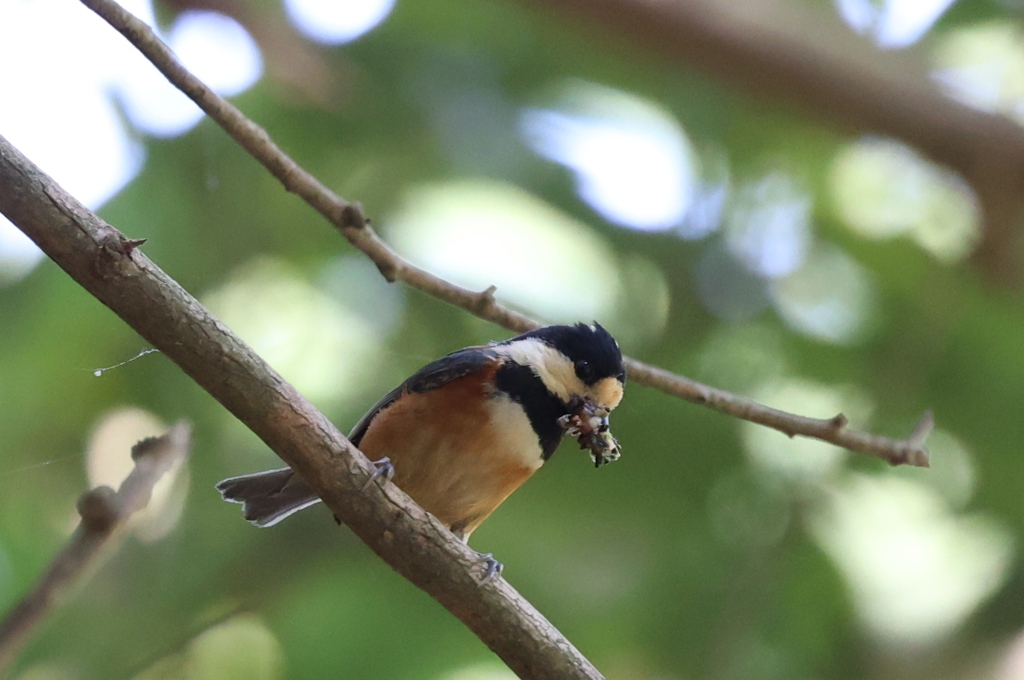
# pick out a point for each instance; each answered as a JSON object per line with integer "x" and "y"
{"x": 492, "y": 567}
{"x": 381, "y": 468}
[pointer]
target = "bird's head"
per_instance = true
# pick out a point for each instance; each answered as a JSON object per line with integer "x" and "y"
{"x": 574, "y": 362}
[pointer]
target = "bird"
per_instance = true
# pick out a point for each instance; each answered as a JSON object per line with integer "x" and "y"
{"x": 465, "y": 431}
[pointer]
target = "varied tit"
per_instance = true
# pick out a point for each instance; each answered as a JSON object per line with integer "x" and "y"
{"x": 465, "y": 431}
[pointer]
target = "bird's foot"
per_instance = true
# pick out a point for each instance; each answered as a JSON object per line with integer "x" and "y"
{"x": 381, "y": 468}
{"x": 491, "y": 567}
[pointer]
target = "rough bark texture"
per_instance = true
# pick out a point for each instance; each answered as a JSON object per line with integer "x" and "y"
{"x": 109, "y": 266}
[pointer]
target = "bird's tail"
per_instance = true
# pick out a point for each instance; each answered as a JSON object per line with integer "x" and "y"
{"x": 268, "y": 497}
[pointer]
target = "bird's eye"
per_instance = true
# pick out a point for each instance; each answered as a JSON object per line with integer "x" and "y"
{"x": 584, "y": 371}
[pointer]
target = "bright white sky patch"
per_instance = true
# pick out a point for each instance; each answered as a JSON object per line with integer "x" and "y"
{"x": 632, "y": 160}
{"x": 915, "y": 569}
{"x": 892, "y": 23}
{"x": 216, "y": 48}
{"x": 52, "y": 58}
{"x": 334, "y": 22}
{"x": 60, "y": 62}
{"x": 482, "y": 233}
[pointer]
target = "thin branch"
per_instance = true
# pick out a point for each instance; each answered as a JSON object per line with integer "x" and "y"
{"x": 103, "y": 513}
{"x": 909, "y": 451}
{"x": 411, "y": 541}
{"x": 354, "y": 226}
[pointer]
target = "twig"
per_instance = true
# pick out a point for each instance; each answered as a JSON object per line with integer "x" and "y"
{"x": 354, "y": 226}
{"x": 909, "y": 451}
{"x": 103, "y": 512}
{"x": 406, "y": 537}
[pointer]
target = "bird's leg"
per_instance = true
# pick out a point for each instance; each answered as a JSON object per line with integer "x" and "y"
{"x": 382, "y": 468}
{"x": 492, "y": 567}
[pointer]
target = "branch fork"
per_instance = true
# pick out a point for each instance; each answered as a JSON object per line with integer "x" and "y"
{"x": 104, "y": 513}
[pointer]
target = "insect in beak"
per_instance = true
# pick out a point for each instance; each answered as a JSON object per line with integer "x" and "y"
{"x": 588, "y": 422}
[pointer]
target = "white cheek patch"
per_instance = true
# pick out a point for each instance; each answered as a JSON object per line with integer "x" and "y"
{"x": 559, "y": 375}
{"x": 551, "y": 366}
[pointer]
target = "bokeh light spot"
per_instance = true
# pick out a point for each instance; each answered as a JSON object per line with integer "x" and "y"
{"x": 35, "y": 71}
{"x": 983, "y": 66}
{"x": 952, "y": 471}
{"x": 49, "y": 670}
{"x": 800, "y": 458}
{"x": 892, "y": 24}
{"x": 830, "y": 298}
{"x": 241, "y": 648}
{"x": 334, "y": 22}
{"x": 215, "y": 47}
{"x": 598, "y": 574}
{"x": 738, "y": 357}
{"x": 18, "y": 254}
{"x": 768, "y": 225}
{"x": 355, "y": 283}
{"x": 480, "y": 671}
{"x": 218, "y": 50}
{"x": 883, "y": 189}
{"x": 109, "y": 461}
{"x": 36, "y": 39}
{"x": 710, "y": 198}
{"x": 483, "y": 233}
{"x": 915, "y": 569}
{"x": 645, "y": 301}
{"x": 318, "y": 345}
{"x": 632, "y": 160}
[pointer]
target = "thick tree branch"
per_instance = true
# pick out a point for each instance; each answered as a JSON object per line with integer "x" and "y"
{"x": 798, "y": 53}
{"x": 107, "y": 264}
{"x": 103, "y": 512}
{"x": 354, "y": 226}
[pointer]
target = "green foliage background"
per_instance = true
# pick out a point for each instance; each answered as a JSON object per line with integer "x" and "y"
{"x": 668, "y": 564}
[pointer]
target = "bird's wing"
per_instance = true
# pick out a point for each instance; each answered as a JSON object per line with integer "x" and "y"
{"x": 430, "y": 377}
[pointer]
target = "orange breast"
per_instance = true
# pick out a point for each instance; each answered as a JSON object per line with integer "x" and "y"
{"x": 457, "y": 451}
